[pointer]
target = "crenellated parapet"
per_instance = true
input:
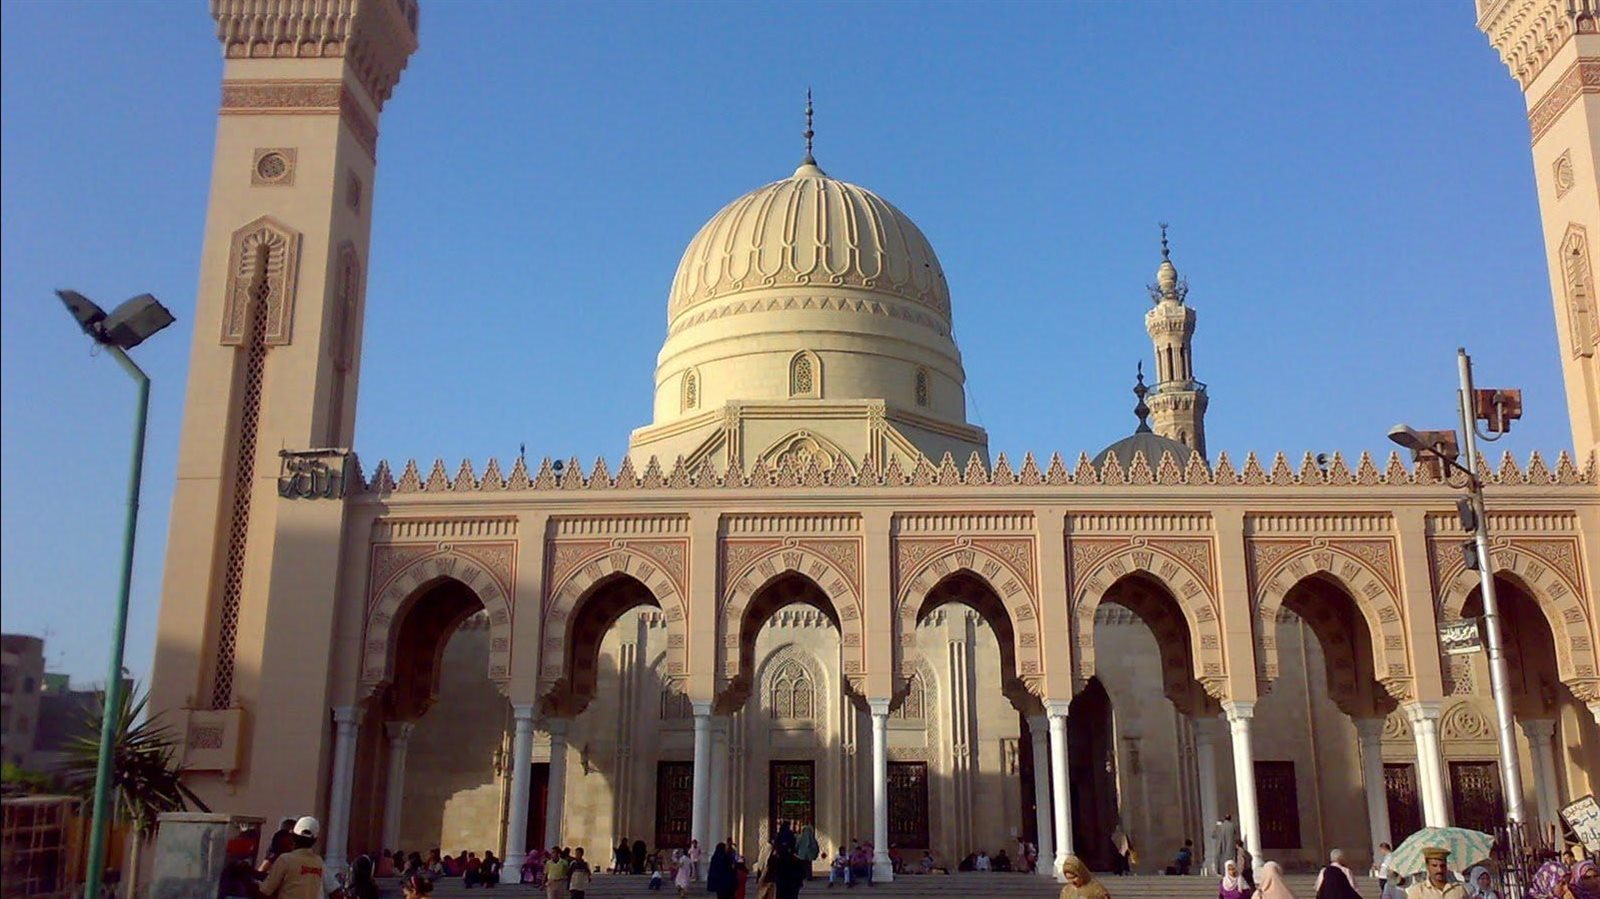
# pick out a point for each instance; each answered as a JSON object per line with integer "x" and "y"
{"x": 788, "y": 474}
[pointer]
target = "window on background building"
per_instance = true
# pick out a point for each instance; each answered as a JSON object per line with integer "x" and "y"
{"x": 922, "y": 387}
{"x": 805, "y": 376}
{"x": 791, "y": 694}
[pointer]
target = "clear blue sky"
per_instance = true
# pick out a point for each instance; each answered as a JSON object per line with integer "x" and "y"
{"x": 1349, "y": 188}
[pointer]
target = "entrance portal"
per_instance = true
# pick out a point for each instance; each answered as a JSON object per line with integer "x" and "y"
{"x": 538, "y": 801}
{"x": 908, "y": 805}
{"x": 793, "y": 795}
{"x": 674, "y": 804}
{"x": 1091, "y": 760}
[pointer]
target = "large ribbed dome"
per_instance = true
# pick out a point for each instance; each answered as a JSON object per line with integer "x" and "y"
{"x": 810, "y": 230}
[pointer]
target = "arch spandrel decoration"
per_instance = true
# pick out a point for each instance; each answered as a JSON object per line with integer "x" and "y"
{"x": 263, "y": 254}
{"x": 577, "y": 567}
{"x": 1549, "y": 569}
{"x": 748, "y": 566}
{"x": 1005, "y": 564}
{"x": 1364, "y": 569}
{"x": 1182, "y": 566}
{"x": 397, "y": 573}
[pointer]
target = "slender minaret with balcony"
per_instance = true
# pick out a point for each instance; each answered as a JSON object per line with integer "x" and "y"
{"x": 1178, "y": 402}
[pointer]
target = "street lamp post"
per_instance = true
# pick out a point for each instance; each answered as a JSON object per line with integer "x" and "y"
{"x": 125, "y": 328}
{"x": 1499, "y": 407}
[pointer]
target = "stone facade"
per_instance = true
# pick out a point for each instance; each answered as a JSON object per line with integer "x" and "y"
{"x": 808, "y": 591}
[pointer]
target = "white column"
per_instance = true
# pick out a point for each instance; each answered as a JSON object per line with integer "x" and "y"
{"x": 1541, "y": 744}
{"x": 1205, "y": 761}
{"x": 1424, "y": 717}
{"x": 557, "y": 797}
{"x": 399, "y": 733}
{"x": 717, "y": 828}
{"x": 1060, "y": 794}
{"x": 346, "y": 720}
{"x": 1039, "y": 730}
{"x": 1369, "y": 732}
{"x": 521, "y": 777}
{"x": 702, "y": 775}
{"x": 1244, "y": 776}
{"x": 882, "y": 868}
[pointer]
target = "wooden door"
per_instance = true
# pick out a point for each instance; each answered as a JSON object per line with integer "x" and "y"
{"x": 1405, "y": 803}
{"x": 538, "y": 801}
{"x": 1475, "y": 795}
{"x": 908, "y": 805}
{"x": 674, "y": 804}
{"x": 792, "y": 794}
{"x": 1279, "y": 801}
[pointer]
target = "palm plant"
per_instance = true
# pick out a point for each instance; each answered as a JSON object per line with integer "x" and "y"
{"x": 146, "y": 775}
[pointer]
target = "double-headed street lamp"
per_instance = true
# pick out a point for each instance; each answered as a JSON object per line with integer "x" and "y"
{"x": 126, "y": 327}
{"x": 1497, "y": 409}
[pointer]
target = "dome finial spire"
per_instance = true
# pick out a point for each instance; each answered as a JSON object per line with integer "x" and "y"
{"x": 1139, "y": 408}
{"x": 1166, "y": 254}
{"x": 809, "y": 133}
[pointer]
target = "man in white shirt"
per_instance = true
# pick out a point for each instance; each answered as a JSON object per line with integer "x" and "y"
{"x": 1380, "y": 866}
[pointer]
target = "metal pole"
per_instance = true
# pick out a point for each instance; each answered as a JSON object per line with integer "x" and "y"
{"x": 1510, "y": 770}
{"x": 113, "y": 701}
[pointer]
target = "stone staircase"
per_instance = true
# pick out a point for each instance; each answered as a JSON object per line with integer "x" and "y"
{"x": 955, "y": 886}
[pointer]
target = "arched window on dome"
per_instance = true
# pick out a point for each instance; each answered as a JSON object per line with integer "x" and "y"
{"x": 922, "y": 387}
{"x": 691, "y": 389}
{"x": 805, "y": 375}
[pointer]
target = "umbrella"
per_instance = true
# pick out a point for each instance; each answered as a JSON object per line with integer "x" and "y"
{"x": 1466, "y": 847}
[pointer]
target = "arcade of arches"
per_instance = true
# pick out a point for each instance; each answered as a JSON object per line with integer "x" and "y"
{"x": 616, "y": 738}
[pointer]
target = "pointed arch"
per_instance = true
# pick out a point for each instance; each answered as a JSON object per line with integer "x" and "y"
{"x": 421, "y": 570}
{"x": 1545, "y": 570}
{"x": 805, "y": 376}
{"x": 1001, "y": 567}
{"x": 1363, "y": 577}
{"x": 779, "y": 575}
{"x": 690, "y": 398}
{"x": 619, "y": 577}
{"x": 1182, "y": 574}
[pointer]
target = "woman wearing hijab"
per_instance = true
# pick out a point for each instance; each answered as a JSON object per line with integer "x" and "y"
{"x": 1480, "y": 884}
{"x": 1271, "y": 885}
{"x": 719, "y": 873}
{"x": 1584, "y": 882}
{"x": 1080, "y": 883}
{"x": 1232, "y": 886}
{"x": 1549, "y": 882}
{"x": 807, "y": 849}
{"x": 1335, "y": 883}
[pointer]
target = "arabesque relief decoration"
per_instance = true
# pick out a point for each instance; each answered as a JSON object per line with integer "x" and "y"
{"x": 1364, "y": 568}
{"x": 263, "y": 266}
{"x": 397, "y": 572}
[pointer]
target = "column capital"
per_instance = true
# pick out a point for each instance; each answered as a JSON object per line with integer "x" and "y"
{"x": 1057, "y": 708}
{"x": 524, "y": 711}
{"x": 399, "y": 731}
{"x": 556, "y": 727}
{"x": 701, "y": 709}
{"x": 1538, "y": 729}
{"x": 346, "y": 714}
{"x": 1419, "y": 711}
{"x": 878, "y": 707}
{"x": 1369, "y": 730}
{"x": 1238, "y": 710}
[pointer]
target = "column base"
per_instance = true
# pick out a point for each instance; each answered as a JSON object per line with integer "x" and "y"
{"x": 882, "y": 868}
{"x": 1061, "y": 859}
{"x": 511, "y": 867}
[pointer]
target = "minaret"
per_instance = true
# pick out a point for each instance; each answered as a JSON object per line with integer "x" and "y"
{"x": 1178, "y": 402}
{"x": 1552, "y": 48}
{"x": 245, "y": 634}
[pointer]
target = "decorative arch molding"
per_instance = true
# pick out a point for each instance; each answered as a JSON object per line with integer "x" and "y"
{"x": 690, "y": 397}
{"x": 801, "y": 447}
{"x": 400, "y": 573}
{"x": 578, "y": 567}
{"x": 786, "y": 659}
{"x": 263, "y": 264}
{"x": 1549, "y": 570}
{"x": 1577, "y": 273}
{"x": 1005, "y": 565}
{"x": 749, "y": 567}
{"x": 1363, "y": 569}
{"x": 1181, "y": 566}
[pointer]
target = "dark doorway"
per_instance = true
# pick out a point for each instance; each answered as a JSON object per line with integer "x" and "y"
{"x": 1405, "y": 804}
{"x": 792, "y": 794}
{"x": 538, "y": 801}
{"x": 1280, "y": 805}
{"x": 1029, "y": 829}
{"x": 1475, "y": 795}
{"x": 1091, "y": 761}
{"x": 908, "y": 805}
{"x": 674, "y": 804}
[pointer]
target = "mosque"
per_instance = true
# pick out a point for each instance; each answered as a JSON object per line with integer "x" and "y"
{"x": 808, "y": 592}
